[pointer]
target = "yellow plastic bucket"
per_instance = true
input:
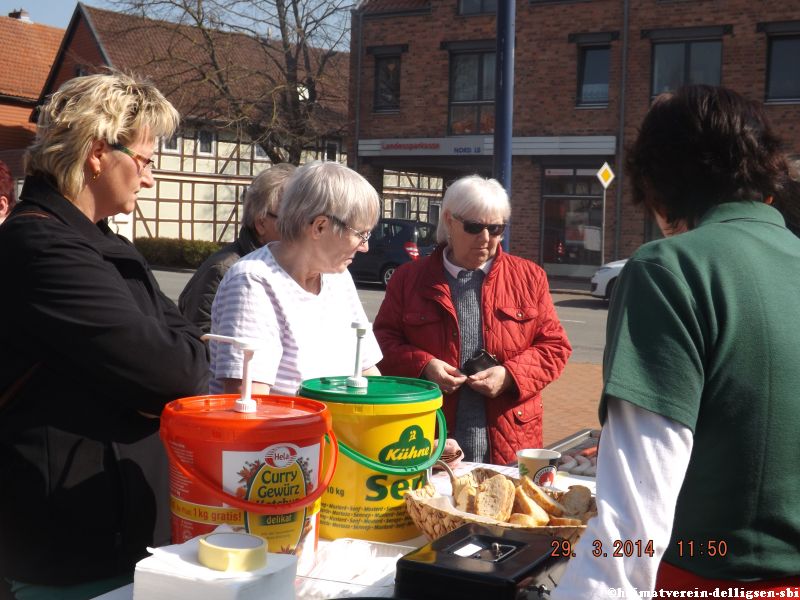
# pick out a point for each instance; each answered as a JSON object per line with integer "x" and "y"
{"x": 386, "y": 434}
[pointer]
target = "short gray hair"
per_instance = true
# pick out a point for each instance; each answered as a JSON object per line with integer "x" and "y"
{"x": 265, "y": 193}
{"x": 472, "y": 197}
{"x": 114, "y": 107}
{"x": 326, "y": 188}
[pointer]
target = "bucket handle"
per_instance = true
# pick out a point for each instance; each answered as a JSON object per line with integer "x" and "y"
{"x": 375, "y": 465}
{"x": 263, "y": 509}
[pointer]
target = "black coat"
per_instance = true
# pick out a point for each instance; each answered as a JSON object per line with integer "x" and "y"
{"x": 197, "y": 297}
{"x": 84, "y": 475}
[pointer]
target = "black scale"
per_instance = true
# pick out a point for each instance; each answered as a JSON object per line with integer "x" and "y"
{"x": 481, "y": 561}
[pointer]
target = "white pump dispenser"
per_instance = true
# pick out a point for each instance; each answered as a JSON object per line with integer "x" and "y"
{"x": 248, "y": 346}
{"x": 358, "y": 380}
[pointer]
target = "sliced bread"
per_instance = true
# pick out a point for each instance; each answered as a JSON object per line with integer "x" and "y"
{"x": 495, "y": 498}
{"x": 524, "y": 505}
{"x": 538, "y": 495}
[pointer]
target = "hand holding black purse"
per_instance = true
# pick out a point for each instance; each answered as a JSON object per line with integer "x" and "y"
{"x": 480, "y": 361}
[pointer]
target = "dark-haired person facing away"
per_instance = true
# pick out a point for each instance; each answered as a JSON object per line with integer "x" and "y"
{"x": 698, "y": 462}
{"x": 259, "y": 226}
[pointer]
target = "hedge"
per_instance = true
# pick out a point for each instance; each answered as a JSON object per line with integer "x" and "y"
{"x": 178, "y": 254}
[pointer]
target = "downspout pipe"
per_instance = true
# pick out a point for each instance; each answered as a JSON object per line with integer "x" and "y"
{"x": 621, "y": 136}
{"x": 504, "y": 100}
{"x": 357, "y": 125}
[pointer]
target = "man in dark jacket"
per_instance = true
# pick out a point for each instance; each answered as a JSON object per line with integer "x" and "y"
{"x": 261, "y": 206}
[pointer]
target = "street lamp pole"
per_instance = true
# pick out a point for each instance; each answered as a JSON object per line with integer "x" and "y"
{"x": 504, "y": 98}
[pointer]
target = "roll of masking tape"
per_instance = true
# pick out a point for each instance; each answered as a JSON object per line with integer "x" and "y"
{"x": 232, "y": 552}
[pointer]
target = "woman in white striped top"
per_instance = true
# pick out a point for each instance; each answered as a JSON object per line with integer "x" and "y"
{"x": 296, "y": 295}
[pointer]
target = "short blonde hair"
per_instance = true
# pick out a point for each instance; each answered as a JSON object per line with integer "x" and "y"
{"x": 326, "y": 188}
{"x": 114, "y": 107}
{"x": 265, "y": 193}
{"x": 473, "y": 197}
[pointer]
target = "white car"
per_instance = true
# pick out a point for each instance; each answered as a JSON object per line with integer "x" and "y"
{"x": 605, "y": 278}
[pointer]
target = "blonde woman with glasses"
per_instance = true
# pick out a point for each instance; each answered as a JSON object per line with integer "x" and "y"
{"x": 296, "y": 294}
{"x": 89, "y": 347}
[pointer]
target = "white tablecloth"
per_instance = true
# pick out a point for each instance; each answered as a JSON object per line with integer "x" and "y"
{"x": 322, "y": 582}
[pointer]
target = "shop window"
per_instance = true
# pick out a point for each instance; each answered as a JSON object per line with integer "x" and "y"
{"x": 593, "y": 75}
{"x": 472, "y": 81}
{"x": 476, "y": 7}
{"x": 573, "y": 218}
{"x": 783, "y": 75}
{"x": 387, "y": 83}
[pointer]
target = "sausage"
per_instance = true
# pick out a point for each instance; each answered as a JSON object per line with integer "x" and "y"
{"x": 567, "y": 463}
{"x": 583, "y": 464}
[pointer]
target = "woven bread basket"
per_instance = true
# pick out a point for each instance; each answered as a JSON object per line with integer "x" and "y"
{"x": 435, "y": 515}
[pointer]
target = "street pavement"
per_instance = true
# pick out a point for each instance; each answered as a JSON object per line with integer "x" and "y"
{"x": 570, "y": 403}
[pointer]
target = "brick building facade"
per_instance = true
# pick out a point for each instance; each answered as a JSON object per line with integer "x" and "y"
{"x": 422, "y": 91}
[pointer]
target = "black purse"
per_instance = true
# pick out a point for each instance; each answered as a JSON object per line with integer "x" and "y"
{"x": 480, "y": 361}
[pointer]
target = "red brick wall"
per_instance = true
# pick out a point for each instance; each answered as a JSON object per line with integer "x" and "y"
{"x": 17, "y": 131}
{"x": 82, "y": 51}
{"x": 546, "y": 80}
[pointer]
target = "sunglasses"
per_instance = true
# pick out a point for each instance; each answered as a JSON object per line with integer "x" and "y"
{"x": 142, "y": 163}
{"x": 474, "y": 228}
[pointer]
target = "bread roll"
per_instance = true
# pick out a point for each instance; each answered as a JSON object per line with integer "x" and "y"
{"x": 577, "y": 500}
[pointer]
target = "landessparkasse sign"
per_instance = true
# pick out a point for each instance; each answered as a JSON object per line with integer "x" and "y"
{"x": 452, "y": 146}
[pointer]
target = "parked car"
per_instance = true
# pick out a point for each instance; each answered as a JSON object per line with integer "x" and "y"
{"x": 392, "y": 243}
{"x": 605, "y": 278}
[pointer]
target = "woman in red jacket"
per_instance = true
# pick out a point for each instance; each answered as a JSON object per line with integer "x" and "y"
{"x": 470, "y": 299}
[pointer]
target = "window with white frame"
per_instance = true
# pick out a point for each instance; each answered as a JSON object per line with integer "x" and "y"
{"x": 434, "y": 212}
{"x": 400, "y": 209}
{"x": 171, "y": 145}
{"x": 205, "y": 142}
{"x": 332, "y": 151}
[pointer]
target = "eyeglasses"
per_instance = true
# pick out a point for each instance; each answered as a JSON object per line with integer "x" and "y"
{"x": 272, "y": 214}
{"x": 362, "y": 235}
{"x": 474, "y": 228}
{"x": 142, "y": 163}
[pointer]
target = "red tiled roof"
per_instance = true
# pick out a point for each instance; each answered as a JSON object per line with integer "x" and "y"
{"x": 29, "y": 50}
{"x": 167, "y": 53}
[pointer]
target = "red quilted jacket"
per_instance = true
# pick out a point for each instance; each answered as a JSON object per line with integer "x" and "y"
{"x": 417, "y": 322}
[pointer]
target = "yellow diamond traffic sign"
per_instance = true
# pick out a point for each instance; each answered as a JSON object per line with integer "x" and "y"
{"x": 605, "y": 175}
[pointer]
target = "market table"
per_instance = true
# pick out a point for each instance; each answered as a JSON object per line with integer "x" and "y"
{"x": 324, "y": 582}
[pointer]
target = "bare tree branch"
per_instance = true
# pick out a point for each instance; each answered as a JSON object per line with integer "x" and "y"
{"x": 270, "y": 69}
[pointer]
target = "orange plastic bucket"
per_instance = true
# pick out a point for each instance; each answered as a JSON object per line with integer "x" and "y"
{"x": 258, "y": 472}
